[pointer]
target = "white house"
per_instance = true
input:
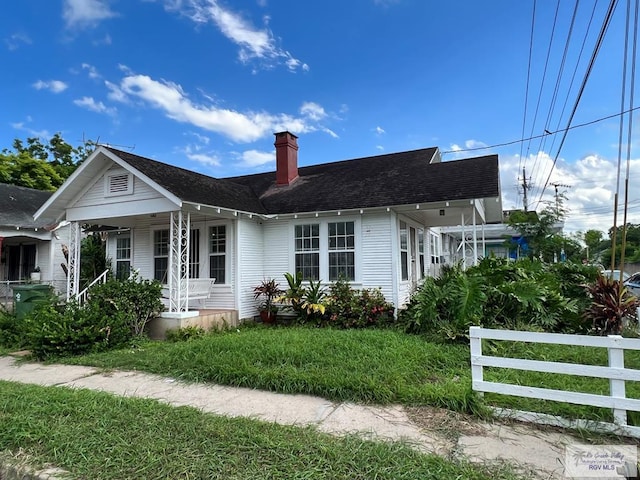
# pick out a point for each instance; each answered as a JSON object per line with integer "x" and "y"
{"x": 372, "y": 219}
{"x": 27, "y": 244}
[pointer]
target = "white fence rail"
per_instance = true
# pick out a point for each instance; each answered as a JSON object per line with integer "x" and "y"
{"x": 615, "y": 372}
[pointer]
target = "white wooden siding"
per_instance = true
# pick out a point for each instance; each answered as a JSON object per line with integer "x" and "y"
{"x": 376, "y": 251}
{"x": 95, "y": 195}
{"x": 251, "y": 253}
{"x": 277, "y": 250}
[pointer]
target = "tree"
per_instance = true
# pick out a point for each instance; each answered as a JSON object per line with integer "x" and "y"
{"x": 541, "y": 231}
{"x": 41, "y": 166}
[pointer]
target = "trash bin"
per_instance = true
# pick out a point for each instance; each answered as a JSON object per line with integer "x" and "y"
{"x": 26, "y": 297}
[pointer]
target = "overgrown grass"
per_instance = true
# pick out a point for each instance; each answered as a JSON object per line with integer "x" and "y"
{"x": 369, "y": 366}
{"x": 99, "y": 436}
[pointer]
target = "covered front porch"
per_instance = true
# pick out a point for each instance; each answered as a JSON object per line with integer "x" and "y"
{"x": 189, "y": 251}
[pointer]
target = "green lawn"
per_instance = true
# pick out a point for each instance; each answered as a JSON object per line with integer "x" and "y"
{"x": 369, "y": 366}
{"x": 100, "y": 436}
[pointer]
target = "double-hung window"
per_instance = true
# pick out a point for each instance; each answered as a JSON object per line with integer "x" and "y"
{"x": 307, "y": 248}
{"x": 194, "y": 254}
{"x": 421, "y": 251}
{"x": 123, "y": 256}
{"x": 342, "y": 251}
{"x": 160, "y": 255}
{"x": 404, "y": 251}
{"x": 218, "y": 252}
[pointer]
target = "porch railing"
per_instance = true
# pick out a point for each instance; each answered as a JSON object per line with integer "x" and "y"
{"x": 82, "y": 296}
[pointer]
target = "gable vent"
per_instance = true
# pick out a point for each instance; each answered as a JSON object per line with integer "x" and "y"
{"x": 119, "y": 184}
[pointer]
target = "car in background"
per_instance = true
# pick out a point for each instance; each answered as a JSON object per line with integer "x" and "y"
{"x": 615, "y": 274}
{"x": 633, "y": 284}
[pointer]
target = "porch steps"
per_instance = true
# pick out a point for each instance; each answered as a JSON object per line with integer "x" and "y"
{"x": 206, "y": 319}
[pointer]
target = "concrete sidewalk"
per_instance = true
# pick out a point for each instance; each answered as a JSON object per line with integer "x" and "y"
{"x": 534, "y": 451}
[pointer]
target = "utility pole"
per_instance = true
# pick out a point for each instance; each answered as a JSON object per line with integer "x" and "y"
{"x": 556, "y": 185}
{"x": 525, "y": 187}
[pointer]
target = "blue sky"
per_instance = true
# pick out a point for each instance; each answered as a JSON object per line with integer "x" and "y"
{"x": 204, "y": 84}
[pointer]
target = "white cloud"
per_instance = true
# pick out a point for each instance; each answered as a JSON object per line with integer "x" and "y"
{"x": 239, "y": 127}
{"x": 329, "y": 132}
{"x": 85, "y": 13}
{"x": 16, "y": 40}
{"x": 590, "y": 194}
{"x": 380, "y": 147}
{"x": 313, "y": 111}
{"x": 90, "y": 104}
{"x": 205, "y": 159}
{"x": 256, "y": 158}
{"x": 54, "y": 86}
{"x": 92, "y": 71}
{"x": 255, "y": 43}
{"x": 115, "y": 93}
{"x": 21, "y": 126}
{"x": 380, "y": 131}
{"x": 106, "y": 40}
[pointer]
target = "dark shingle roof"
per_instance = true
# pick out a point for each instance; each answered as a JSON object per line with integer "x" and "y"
{"x": 385, "y": 180}
{"x": 18, "y": 204}
{"x": 194, "y": 187}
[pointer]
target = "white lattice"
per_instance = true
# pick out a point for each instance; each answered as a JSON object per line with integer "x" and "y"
{"x": 73, "y": 263}
{"x": 179, "y": 261}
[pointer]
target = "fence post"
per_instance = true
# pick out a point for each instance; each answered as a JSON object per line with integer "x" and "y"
{"x": 617, "y": 387}
{"x": 475, "y": 342}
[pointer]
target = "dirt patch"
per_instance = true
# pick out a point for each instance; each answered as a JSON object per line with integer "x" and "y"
{"x": 445, "y": 423}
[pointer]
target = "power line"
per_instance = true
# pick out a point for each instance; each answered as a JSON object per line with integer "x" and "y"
{"x": 594, "y": 55}
{"x": 562, "y": 130}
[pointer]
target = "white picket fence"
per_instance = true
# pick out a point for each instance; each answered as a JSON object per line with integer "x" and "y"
{"x": 615, "y": 372}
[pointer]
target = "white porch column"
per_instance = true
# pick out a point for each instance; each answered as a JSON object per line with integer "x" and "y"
{"x": 179, "y": 240}
{"x": 475, "y": 237}
{"x": 73, "y": 270}
{"x": 464, "y": 243}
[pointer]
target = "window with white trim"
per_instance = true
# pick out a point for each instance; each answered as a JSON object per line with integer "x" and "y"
{"x": 160, "y": 255}
{"x": 123, "y": 257}
{"x": 218, "y": 252}
{"x": 404, "y": 251}
{"x": 342, "y": 251}
{"x": 194, "y": 253}
{"x": 421, "y": 251}
{"x": 307, "y": 250}
{"x": 435, "y": 248}
{"x": 118, "y": 183}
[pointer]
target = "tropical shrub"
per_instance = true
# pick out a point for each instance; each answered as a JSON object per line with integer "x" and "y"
{"x": 75, "y": 330}
{"x": 500, "y": 293}
{"x": 351, "y": 308}
{"x": 611, "y": 303}
{"x": 447, "y": 306}
{"x": 305, "y": 301}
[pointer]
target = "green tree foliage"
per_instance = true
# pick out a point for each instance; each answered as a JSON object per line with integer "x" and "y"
{"x": 43, "y": 166}
{"x": 541, "y": 231}
{"x": 632, "y": 247}
{"x": 93, "y": 258}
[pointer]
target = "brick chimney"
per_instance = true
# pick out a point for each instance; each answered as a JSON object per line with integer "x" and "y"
{"x": 286, "y": 158}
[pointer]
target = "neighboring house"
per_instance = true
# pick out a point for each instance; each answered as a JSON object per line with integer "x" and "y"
{"x": 467, "y": 245}
{"x": 374, "y": 220}
{"x": 26, "y": 243}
